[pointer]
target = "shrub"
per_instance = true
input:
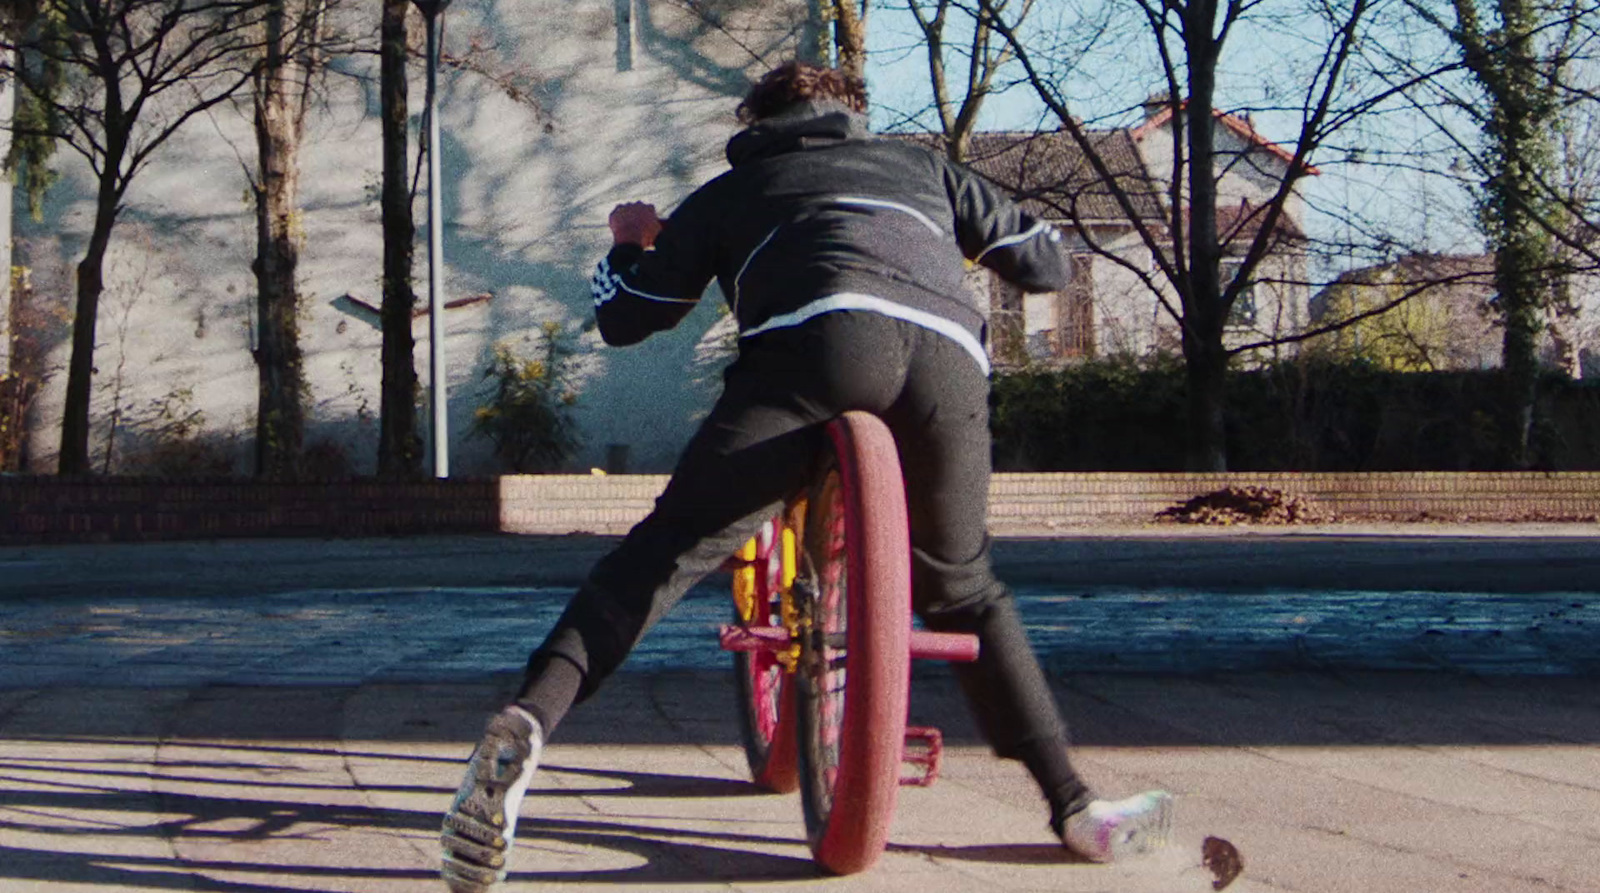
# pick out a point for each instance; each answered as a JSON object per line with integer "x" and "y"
{"x": 1307, "y": 414}
{"x": 1103, "y": 415}
{"x": 326, "y": 459}
{"x": 13, "y": 413}
{"x": 171, "y": 440}
{"x": 528, "y": 414}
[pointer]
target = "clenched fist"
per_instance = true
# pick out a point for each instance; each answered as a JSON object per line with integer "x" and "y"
{"x": 634, "y": 222}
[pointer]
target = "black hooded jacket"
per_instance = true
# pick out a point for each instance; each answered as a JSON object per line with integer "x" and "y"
{"x": 818, "y": 215}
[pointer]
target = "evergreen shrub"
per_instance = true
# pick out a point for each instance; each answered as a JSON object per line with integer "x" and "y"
{"x": 1298, "y": 415}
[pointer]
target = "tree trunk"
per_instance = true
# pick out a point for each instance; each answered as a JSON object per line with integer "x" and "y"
{"x": 816, "y": 46}
{"x": 1204, "y": 312}
{"x": 74, "y": 458}
{"x": 1518, "y": 263}
{"x": 280, "y": 413}
{"x": 74, "y": 453}
{"x": 1205, "y": 375}
{"x": 399, "y": 445}
{"x": 850, "y": 38}
{"x": 1522, "y": 114}
{"x": 1563, "y": 320}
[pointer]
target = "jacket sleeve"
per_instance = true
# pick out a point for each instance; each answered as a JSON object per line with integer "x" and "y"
{"x": 639, "y": 292}
{"x": 994, "y": 232}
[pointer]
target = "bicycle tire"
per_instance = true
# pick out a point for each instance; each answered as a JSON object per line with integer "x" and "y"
{"x": 766, "y": 724}
{"x": 766, "y": 702}
{"x": 852, "y": 699}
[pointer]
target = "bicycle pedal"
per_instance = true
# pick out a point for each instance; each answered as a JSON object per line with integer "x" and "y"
{"x": 738, "y": 637}
{"x": 924, "y": 749}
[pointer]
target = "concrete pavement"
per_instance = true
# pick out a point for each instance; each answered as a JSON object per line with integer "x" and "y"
{"x": 277, "y": 716}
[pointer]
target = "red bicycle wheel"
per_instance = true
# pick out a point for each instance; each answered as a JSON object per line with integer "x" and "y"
{"x": 766, "y": 701}
{"x": 855, "y": 664}
{"x": 766, "y": 721}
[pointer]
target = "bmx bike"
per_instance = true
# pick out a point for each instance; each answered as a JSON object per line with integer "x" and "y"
{"x": 822, "y": 642}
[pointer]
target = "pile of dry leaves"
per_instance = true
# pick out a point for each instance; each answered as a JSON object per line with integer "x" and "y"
{"x": 1245, "y": 505}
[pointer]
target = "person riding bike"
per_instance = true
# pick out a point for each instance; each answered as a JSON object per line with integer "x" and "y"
{"x": 843, "y": 259}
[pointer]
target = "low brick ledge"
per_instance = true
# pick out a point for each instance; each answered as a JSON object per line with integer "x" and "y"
{"x": 45, "y": 509}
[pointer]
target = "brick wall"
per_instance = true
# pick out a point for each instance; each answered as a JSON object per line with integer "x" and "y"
{"x": 52, "y": 510}
{"x": 97, "y": 510}
{"x": 1039, "y": 502}
{"x": 564, "y": 503}
{"x": 1019, "y": 502}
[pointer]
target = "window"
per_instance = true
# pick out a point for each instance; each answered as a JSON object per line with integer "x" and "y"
{"x": 1075, "y": 311}
{"x": 1045, "y": 327}
{"x": 1007, "y": 333}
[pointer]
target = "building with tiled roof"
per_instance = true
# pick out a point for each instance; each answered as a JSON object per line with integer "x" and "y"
{"x": 1111, "y": 309}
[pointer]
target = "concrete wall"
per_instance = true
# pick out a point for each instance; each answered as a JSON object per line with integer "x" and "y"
{"x": 634, "y": 100}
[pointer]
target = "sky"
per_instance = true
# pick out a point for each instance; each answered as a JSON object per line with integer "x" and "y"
{"x": 1111, "y": 64}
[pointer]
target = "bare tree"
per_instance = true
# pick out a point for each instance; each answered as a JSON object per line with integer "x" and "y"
{"x": 114, "y": 80}
{"x": 1577, "y": 249}
{"x": 841, "y": 33}
{"x": 293, "y": 46}
{"x": 399, "y": 443}
{"x": 1518, "y": 53}
{"x": 1189, "y": 239}
{"x": 958, "y": 104}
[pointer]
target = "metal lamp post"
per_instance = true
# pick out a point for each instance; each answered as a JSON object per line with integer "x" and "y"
{"x": 438, "y": 383}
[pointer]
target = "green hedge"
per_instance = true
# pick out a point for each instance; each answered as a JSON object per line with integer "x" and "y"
{"x": 1311, "y": 415}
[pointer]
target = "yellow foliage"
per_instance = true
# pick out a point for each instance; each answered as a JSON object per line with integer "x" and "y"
{"x": 1413, "y": 336}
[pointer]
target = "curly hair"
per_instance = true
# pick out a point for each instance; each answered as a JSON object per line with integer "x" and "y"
{"x": 794, "y": 82}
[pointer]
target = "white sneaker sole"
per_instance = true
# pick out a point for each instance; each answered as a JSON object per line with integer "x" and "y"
{"x": 480, "y": 826}
{"x": 1140, "y": 827}
{"x": 1145, "y": 830}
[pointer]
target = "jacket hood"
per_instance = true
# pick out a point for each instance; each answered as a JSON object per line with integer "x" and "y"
{"x": 804, "y": 125}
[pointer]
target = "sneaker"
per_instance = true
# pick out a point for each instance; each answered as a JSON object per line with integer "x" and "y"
{"x": 482, "y": 821}
{"x": 1108, "y": 830}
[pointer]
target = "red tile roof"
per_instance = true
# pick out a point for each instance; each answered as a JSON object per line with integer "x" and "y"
{"x": 1235, "y": 123}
